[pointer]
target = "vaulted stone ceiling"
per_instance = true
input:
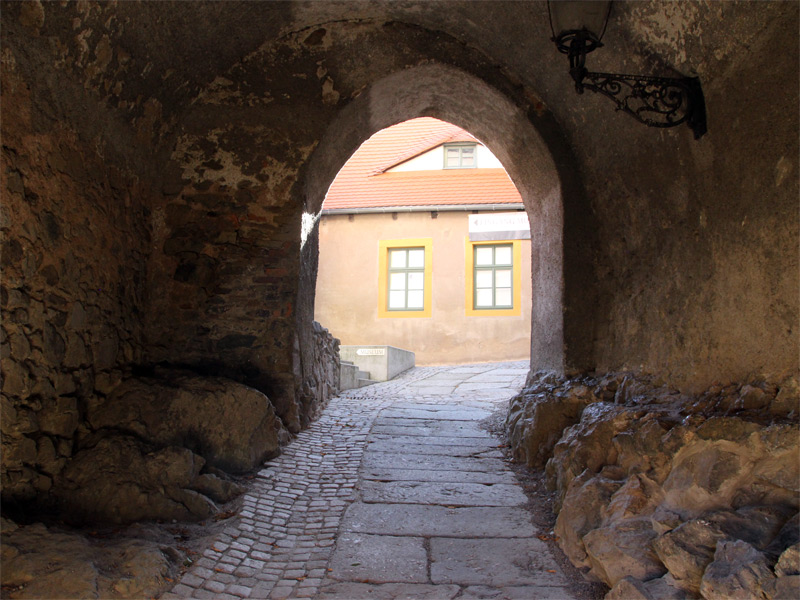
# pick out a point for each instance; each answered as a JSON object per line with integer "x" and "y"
{"x": 158, "y": 158}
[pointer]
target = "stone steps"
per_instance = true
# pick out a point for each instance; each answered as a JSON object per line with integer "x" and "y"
{"x": 352, "y": 377}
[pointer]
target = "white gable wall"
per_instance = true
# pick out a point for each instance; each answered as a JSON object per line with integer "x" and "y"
{"x": 433, "y": 160}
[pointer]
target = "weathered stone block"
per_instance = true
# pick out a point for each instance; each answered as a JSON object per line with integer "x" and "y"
{"x": 623, "y": 549}
{"x": 738, "y": 571}
{"x": 582, "y": 512}
{"x": 789, "y": 561}
{"x": 55, "y": 564}
{"x": 59, "y": 416}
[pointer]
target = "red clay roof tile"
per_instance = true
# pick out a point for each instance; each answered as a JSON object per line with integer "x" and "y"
{"x": 365, "y": 183}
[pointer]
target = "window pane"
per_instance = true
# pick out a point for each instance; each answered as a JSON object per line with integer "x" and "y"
{"x": 397, "y": 259}
{"x": 415, "y": 299}
{"x": 483, "y": 255}
{"x": 416, "y": 258}
{"x": 503, "y": 297}
{"x": 397, "y": 281}
{"x": 502, "y": 255}
{"x": 483, "y": 279}
{"x": 416, "y": 281}
{"x": 397, "y": 300}
{"x": 467, "y": 157}
{"x": 502, "y": 279}
{"x": 483, "y": 298}
{"x": 451, "y": 157}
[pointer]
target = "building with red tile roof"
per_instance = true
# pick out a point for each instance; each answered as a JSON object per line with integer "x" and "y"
{"x": 425, "y": 246}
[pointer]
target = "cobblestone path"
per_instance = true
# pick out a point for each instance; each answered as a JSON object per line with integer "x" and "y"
{"x": 395, "y": 492}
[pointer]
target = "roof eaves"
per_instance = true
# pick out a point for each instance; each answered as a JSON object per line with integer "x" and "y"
{"x": 424, "y": 208}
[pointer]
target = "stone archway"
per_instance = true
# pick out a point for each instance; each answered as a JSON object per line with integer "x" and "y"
{"x": 535, "y": 157}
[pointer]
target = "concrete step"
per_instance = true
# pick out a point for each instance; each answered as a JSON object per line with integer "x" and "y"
{"x": 382, "y": 362}
{"x": 365, "y": 382}
{"x": 363, "y": 374}
{"x": 348, "y": 376}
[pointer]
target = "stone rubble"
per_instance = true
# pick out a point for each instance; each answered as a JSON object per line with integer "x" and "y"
{"x": 663, "y": 495}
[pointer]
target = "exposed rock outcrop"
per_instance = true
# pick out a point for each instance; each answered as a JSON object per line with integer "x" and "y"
{"x": 664, "y": 495}
{"x": 232, "y": 426}
{"x": 122, "y": 480}
{"x": 158, "y": 448}
{"x": 50, "y": 563}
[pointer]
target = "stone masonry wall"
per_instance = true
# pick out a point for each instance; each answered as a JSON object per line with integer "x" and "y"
{"x": 694, "y": 267}
{"x": 74, "y": 238}
{"x": 223, "y": 288}
{"x": 321, "y": 381}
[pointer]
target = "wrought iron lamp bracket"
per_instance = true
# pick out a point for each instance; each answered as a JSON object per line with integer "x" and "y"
{"x": 653, "y": 101}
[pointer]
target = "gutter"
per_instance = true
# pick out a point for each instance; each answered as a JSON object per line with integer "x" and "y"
{"x": 423, "y": 208}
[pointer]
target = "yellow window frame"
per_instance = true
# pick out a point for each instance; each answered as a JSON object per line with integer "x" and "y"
{"x": 383, "y": 278}
{"x": 470, "y": 310}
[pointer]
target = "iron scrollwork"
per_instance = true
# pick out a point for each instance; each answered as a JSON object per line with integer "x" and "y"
{"x": 654, "y": 101}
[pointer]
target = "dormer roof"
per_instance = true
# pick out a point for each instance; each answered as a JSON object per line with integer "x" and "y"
{"x": 366, "y": 182}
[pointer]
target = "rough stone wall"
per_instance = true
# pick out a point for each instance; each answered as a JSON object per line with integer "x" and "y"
{"x": 223, "y": 288}
{"x": 653, "y": 486}
{"x": 690, "y": 248}
{"x": 697, "y": 266}
{"x": 74, "y": 238}
{"x": 230, "y": 280}
{"x": 320, "y": 373}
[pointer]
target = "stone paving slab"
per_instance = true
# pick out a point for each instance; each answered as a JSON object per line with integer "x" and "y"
{"x": 439, "y": 476}
{"x": 448, "y": 494}
{"x": 444, "y": 414}
{"x": 430, "y": 430}
{"x": 305, "y": 529}
{"x": 481, "y": 368}
{"x": 387, "y": 460}
{"x": 380, "y": 559}
{"x": 435, "y": 390}
{"x": 528, "y": 592}
{"x": 433, "y": 427}
{"x": 436, "y": 440}
{"x": 490, "y": 377}
{"x": 395, "y": 446}
{"x": 439, "y": 410}
{"x": 390, "y": 591}
{"x": 496, "y": 562}
{"x": 475, "y": 386}
{"x": 514, "y": 372}
{"x": 428, "y": 521}
{"x": 443, "y": 376}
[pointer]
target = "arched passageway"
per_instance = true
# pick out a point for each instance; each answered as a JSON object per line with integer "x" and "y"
{"x": 536, "y": 163}
{"x": 154, "y": 178}
{"x": 428, "y": 192}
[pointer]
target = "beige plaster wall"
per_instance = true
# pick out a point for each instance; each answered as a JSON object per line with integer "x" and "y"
{"x": 347, "y": 291}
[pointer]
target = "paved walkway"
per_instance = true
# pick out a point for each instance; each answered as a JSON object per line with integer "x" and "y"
{"x": 395, "y": 492}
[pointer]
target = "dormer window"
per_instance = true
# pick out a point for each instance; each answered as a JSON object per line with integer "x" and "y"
{"x": 460, "y": 156}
